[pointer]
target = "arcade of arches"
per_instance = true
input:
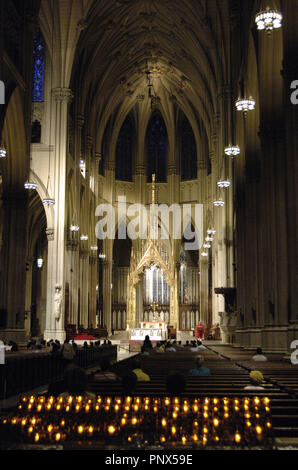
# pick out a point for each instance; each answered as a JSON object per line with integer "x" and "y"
{"x": 101, "y": 95}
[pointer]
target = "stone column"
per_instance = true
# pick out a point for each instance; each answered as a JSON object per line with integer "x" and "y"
{"x": 72, "y": 278}
{"x": 56, "y": 253}
{"x": 107, "y": 294}
{"x": 174, "y": 299}
{"x": 93, "y": 282}
{"x": 28, "y": 297}
{"x": 204, "y": 290}
{"x": 84, "y": 285}
{"x": 13, "y": 261}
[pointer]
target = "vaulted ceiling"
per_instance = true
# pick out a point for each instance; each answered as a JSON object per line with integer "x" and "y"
{"x": 183, "y": 43}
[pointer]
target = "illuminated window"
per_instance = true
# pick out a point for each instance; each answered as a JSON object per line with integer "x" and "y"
{"x": 38, "y": 67}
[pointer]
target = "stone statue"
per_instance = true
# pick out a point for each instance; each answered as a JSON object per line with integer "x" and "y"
{"x": 58, "y": 301}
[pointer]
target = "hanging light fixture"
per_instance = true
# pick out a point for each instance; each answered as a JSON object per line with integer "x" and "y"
{"x": 84, "y": 238}
{"x": 232, "y": 150}
{"x": 48, "y": 201}
{"x": 204, "y": 254}
{"x": 224, "y": 183}
{"x": 93, "y": 248}
{"x": 268, "y": 20}
{"x": 211, "y": 231}
{"x": 209, "y": 239}
{"x": 245, "y": 105}
{"x": 3, "y": 152}
{"x": 207, "y": 245}
{"x": 30, "y": 185}
{"x": 219, "y": 203}
{"x": 74, "y": 228}
{"x": 39, "y": 263}
{"x": 102, "y": 256}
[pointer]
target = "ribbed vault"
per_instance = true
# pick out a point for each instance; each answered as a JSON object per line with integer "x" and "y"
{"x": 181, "y": 42}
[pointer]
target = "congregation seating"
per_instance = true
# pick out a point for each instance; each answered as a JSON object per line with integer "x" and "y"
{"x": 227, "y": 379}
{"x": 26, "y": 372}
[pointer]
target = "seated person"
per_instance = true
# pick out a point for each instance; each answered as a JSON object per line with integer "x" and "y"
{"x": 175, "y": 383}
{"x": 199, "y": 370}
{"x": 137, "y": 369}
{"x": 159, "y": 348}
{"x": 259, "y": 356}
{"x": 256, "y": 379}
{"x": 105, "y": 374}
{"x": 75, "y": 382}
{"x": 169, "y": 347}
{"x": 129, "y": 383}
{"x": 197, "y": 346}
{"x": 187, "y": 344}
{"x": 147, "y": 345}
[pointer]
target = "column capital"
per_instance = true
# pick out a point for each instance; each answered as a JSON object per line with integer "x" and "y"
{"x": 110, "y": 166}
{"x": 212, "y": 155}
{"x": 172, "y": 169}
{"x": 98, "y": 157}
{"x": 84, "y": 253}
{"x": 140, "y": 169}
{"x": 50, "y": 232}
{"x": 80, "y": 120}
{"x": 201, "y": 165}
{"x": 62, "y": 94}
{"x": 89, "y": 141}
{"x": 72, "y": 245}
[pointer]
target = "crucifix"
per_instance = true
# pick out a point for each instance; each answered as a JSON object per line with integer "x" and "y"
{"x": 154, "y": 305}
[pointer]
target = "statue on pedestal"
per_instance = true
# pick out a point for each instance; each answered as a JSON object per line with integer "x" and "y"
{"x": 58, "y": 302}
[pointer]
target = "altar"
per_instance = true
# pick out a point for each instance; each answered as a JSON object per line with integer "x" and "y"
{"x": 156, "y": 330}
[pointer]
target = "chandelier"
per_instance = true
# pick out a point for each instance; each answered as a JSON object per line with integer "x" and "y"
{"x": 245, "y": 104}
{"x": 74, "y": 228}
{"x": 232, "y": 150}
{"x": 39, "y": 263}
{"x": 93, "y": 248}
{"x": 207, "y": 245}
{"x": 219, "y": 203}
{"x": 211, "y": 231}
{"x": 268, "y": 20}
{"x": 102, "y": 256}
{"x": 48, "y": 201}
{"x": 3, "y": 152}
{"x": 204, "y": 254}
{"x": 209, "y": 239}
{"x": 30, "y": 185}
{"x": 224, "y": 184}
{"x": 84, "y": 238}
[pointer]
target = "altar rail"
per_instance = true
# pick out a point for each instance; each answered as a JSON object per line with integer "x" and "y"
{"x": 23, "y": 372}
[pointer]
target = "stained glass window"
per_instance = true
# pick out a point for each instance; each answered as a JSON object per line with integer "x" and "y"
{"x": 124, "y": 151}
{"x": 188, "y": 152}
{"x": 157, "y": 140}
{"x": 38, "y": 67}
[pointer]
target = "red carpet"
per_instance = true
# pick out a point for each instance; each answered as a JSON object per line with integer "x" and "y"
{"x": 85, "y": 337}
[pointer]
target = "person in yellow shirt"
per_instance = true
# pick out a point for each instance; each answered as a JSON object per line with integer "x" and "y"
{"x": 137, "y": 369}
